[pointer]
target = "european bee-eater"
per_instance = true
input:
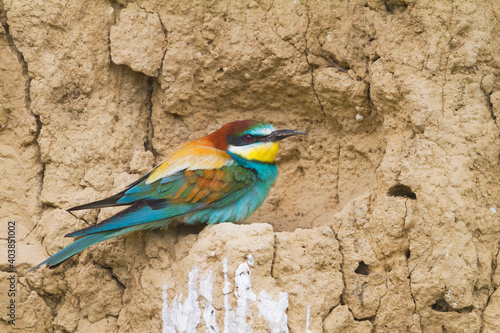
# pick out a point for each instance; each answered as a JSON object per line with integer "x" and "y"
{"x": 222, "y": 177}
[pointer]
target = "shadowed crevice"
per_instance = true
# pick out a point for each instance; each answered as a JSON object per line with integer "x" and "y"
{"x": 148, "y": 143}
{"x": 490, "y": 106}
{"x": 362, "y": 269}
{"x": 401, "y": 190}
{"x": 442, "y": 306}
{"x": 395, "y": 6}
{"x": 274, "y": 256}
{"x": 113, "y": 276}
{"x": 342, "y": 296}
{"x": 165, "y": 33}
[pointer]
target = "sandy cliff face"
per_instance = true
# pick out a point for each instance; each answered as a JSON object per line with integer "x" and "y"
{"x": 385, "y": 218}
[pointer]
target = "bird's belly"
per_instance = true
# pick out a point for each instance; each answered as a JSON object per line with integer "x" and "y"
{"x": 235, "y": 212}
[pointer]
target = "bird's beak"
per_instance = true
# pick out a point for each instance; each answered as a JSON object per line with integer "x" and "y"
{"x": 281, "y": 134}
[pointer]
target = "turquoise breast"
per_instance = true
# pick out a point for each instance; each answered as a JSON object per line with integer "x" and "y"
{"x": 247, "y": 204}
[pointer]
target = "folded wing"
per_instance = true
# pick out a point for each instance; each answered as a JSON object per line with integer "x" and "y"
{"x": 184, "y": 192}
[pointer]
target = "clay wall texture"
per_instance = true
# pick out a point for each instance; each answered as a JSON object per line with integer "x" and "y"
{"x": 385, "y": 217}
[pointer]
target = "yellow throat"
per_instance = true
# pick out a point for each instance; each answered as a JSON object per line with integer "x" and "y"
{"x": 261, "y": 152}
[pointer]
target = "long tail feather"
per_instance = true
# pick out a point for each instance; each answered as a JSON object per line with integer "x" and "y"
{"x": 138, "y": 214}
{"x": 108, "y": 202}
{"x": 81, "y": 244}
{"x": 113, "y": 200}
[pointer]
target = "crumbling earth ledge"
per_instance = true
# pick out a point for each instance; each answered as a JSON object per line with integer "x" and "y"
{"x": 384, "y": 218}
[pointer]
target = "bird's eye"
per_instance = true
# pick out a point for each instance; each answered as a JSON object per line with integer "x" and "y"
{"x": 248, "y": 137}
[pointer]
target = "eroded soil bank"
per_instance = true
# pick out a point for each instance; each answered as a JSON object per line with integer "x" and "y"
{"x": 385, "y": 218}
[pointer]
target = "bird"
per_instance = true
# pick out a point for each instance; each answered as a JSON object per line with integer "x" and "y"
{"x": 222, "y": 177}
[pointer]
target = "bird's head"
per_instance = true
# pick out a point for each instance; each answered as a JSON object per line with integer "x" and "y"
{"x": 251, "y": 140}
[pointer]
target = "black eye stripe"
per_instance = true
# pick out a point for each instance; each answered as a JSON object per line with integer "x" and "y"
{"x": 240, "y": 140}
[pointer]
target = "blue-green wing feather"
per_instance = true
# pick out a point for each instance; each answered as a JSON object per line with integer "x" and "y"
{"x": 172, "y": 197}
{"x": 139, "y": 213}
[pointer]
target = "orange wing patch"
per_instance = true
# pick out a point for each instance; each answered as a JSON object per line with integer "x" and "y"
{"x": 202, "y": 185}
{"x": 191, "y": 156}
